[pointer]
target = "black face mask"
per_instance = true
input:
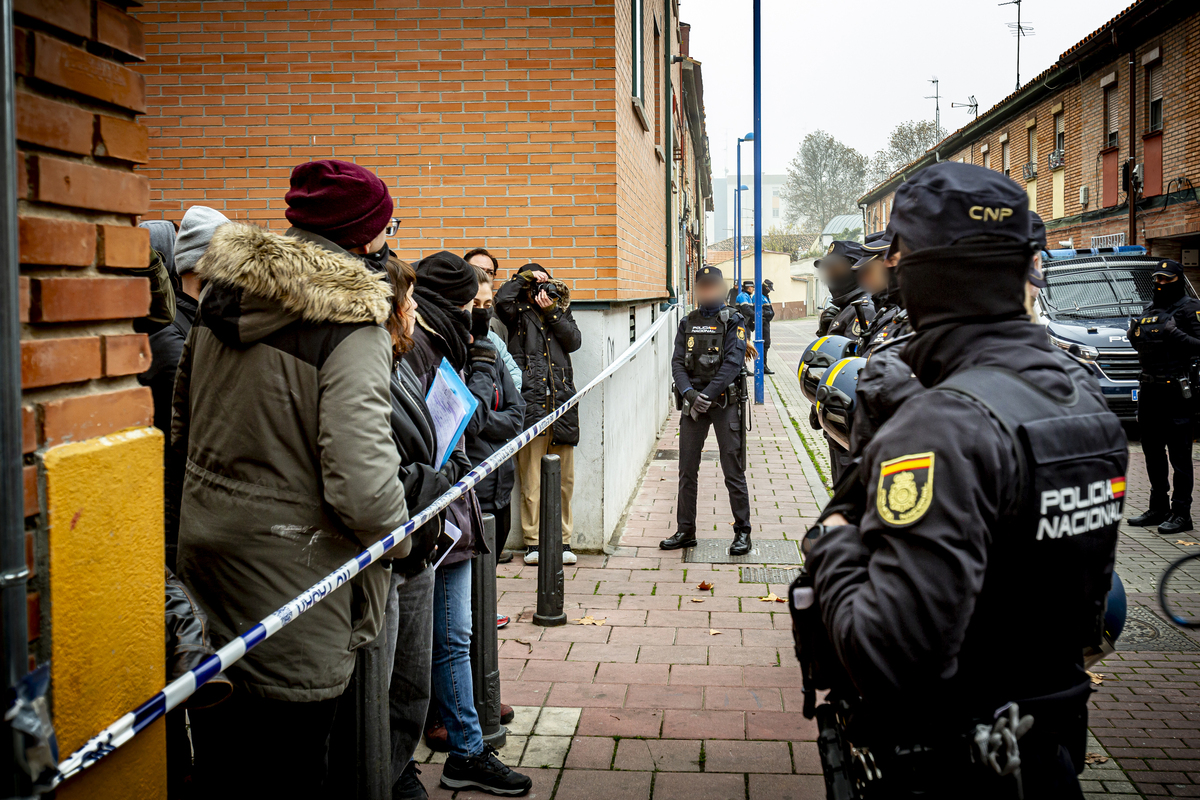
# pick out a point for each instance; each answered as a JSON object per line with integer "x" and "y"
{"x": 964, "y": 283}
{"x": 377, "y": 261}
{"x": 1166, "y": 294}
{"x": 481, "y": 319}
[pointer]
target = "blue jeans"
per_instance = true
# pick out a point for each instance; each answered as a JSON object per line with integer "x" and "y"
{"x": 453, "y": 686}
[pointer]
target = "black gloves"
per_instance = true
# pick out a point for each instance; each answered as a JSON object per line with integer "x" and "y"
{"x": 700, "y": 404}
{"x": 690, "y": 395}
{"x": 482, "y": 350}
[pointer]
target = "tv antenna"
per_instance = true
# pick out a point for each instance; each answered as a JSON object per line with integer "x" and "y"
{"x": 972, "y": 106}
{"x": 937, "y": 108}
{"x": 1020, "y": 31}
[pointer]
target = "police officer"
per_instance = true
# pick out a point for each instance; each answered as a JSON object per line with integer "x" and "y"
{"x": 935, "y": 595}
{"x": 768, "y": 314}
{"x": 710, "y": 348}
{"x": 854, "y": 316}
{"x": 1167, "y": 338}
{"x": 876, "y": 273}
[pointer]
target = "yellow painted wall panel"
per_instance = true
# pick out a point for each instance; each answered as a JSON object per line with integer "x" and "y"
{"x": 1031, "y": 190}
{"x": 1059, "y": 194}
{"x": 105, "y": 520}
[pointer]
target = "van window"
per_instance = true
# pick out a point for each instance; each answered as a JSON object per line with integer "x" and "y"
{"x": 1085, "y": 292}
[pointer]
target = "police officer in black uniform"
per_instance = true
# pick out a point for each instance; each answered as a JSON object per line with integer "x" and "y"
{"x": 1167, "y": 338}
{"x": 710, "y": 350}
{"x": 768, "y": 314}
{"x": 853, "y": 317}
{"x": 976, "y": 570}
{"x": 876, "y": 273}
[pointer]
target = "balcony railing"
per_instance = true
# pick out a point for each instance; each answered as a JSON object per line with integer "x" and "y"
{"x": 1058, "y": 158}
{"x": 1029, "y": 171}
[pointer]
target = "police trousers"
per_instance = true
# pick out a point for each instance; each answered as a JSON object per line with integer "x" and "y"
{"x": 1165, "y": 418}
{"x": 692, "y": 435}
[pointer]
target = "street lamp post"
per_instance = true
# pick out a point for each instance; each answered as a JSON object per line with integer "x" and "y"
{"x": 737, "y": 210}
{"x": 758, "y": 258}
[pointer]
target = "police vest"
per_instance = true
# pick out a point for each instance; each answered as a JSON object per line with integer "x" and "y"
{"x": 704, "y": 345}
{"x": 1050, "y": 556}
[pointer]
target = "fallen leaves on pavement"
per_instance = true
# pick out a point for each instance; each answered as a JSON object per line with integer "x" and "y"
{"x": 590, "y": 620}
{"x": 771, "y": 598}
{"x": 1096, "y": 677}
{"x": 713, "y": 632}
{"x": 527, "y": 644}
{"x": 1094, "y": 758}
{"x": 1185, "y": 544}
{"x": 697, "y": 599}
{"x": 704, "y": 586}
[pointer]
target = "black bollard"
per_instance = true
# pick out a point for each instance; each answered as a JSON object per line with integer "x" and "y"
{"x": 550, "y": 567}
{"x": 485, "y": 647}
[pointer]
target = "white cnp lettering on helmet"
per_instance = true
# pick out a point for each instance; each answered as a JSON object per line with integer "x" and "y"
{"x": 1073, "y": 510}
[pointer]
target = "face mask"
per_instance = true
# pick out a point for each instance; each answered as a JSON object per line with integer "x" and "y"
{"x": 376, "y": 261}
{"x": 481, "y": 319}
{"x": 1167, "y": 293}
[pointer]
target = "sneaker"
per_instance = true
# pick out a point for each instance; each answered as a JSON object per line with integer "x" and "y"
{"x": 485, "y": 772}
{"x": 531, "y": 554}
{"x": 568, "y": 556}
{"x": 409, "y": 787}
{"x": 501, "y": 620}
{"x": 505, "y": 557}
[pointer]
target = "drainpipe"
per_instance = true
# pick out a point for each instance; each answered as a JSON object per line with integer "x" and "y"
{"x": 13, "y": 571}
{"x": 668, "y": 152}
{"x": 1132, "y": 194}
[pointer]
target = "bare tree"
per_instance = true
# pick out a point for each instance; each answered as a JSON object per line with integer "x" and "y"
{"x": 907, "y": 142}
{"x": 823, "y": 180}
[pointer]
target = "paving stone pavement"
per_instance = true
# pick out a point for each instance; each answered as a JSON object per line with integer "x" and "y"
{"x": 690, "y": 693}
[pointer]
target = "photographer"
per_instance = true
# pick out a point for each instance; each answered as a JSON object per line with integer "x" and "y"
{"x": 541, "y": 336}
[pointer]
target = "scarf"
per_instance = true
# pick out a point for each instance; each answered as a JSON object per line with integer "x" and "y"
{"x": 447, "y": 320}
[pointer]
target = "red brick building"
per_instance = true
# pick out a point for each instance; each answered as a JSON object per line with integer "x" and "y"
{"x": 568, "y": 134}
{"x": 1123, "y": 99}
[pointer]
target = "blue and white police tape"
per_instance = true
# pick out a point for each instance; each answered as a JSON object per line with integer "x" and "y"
{"x": 183, "y": 687}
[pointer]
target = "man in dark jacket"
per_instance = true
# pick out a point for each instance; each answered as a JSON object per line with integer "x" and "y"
{"x": 542, "y": 334}
{"x": 283, "y": 468}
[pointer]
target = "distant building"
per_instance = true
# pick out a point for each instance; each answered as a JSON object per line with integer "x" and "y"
{"x": 773, "y": 205}
{"x": 1123, "y": 99}
{"x": 843, "y": 222}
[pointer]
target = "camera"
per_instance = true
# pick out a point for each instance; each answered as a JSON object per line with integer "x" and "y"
{"x": 549, "y": 288}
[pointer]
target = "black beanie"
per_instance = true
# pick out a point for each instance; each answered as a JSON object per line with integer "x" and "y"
{"x": 448, "y": 275}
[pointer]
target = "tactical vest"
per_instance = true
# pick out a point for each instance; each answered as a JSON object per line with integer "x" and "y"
{"x": 704, "y": 345}
{"x": 1051, "y": 554}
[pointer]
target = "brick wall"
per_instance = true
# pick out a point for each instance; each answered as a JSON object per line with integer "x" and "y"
{"x": 504, "y": 123}
{"x": 78, "y": 143}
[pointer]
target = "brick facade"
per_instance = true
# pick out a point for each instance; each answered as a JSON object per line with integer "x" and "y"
{"x": 1168, "y": 215}
{"x": 504, "y": 124}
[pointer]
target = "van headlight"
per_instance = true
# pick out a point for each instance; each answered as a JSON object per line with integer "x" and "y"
{"x": 1080, "y": 351}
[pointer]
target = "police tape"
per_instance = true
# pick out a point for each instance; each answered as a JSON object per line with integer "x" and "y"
{"x": 129, "y": 725}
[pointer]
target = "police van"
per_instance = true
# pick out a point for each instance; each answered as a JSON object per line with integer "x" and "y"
{"x": 1089, "y": 298}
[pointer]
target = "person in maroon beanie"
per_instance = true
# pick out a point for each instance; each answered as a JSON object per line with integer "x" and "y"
{"x": 282, "y": 467}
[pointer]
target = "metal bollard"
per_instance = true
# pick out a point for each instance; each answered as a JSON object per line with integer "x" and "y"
{"x": 550, "y": 567}
{"x": 485, "y": 647}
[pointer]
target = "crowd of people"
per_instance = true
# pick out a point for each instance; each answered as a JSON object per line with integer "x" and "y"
{"x": 293, "y": 386}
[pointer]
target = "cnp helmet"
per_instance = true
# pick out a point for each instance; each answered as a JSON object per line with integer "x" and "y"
{"x": 1115, "y": 610}
{"x": 818, "y": 357}
{"x": 836, "y": 398}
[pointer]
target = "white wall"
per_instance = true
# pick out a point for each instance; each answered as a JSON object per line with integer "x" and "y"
{"x": 619, "y": 420}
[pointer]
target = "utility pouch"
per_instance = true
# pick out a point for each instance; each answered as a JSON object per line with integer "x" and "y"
{"x": 1185, "y": 387}
{"x": 813, "y": 648}
{"x": 678, "y": 397}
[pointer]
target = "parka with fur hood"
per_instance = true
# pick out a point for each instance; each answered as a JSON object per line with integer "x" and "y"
{"x": 282, "y": 465}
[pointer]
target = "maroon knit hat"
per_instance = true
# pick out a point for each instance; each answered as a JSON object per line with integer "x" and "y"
{"x": 347, "y": 204}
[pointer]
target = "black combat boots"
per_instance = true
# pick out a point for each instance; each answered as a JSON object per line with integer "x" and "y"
{"x": 677, "y": 540}
{"x": 741, "y": 543}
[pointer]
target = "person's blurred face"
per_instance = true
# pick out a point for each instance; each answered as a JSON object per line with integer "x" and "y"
{"x": 710, "y": 293}
{"x": 748, "y": 288}
{"x": 1163, "y": 280}
{"x": 373, "y": 245}
{"x": 483, "y": 298}
{"x": 834, "y": 268}
{"x": 872, "y": 276}
{"x": 484, "y": 263}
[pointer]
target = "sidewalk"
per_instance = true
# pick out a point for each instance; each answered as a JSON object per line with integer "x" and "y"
{"x": 695, "y": 694}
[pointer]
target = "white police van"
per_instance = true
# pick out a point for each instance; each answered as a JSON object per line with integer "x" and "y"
{"x": 1087, "y": 304}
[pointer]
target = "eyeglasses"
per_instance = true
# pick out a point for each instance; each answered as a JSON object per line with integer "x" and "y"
{"x": 392, "y": 227}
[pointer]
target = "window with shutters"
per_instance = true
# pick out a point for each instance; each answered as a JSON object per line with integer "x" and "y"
{"x": 987, "y": 159}
{"x": 1060, "y": 132}
{"x": 637, "y": 58}
{"x": 1005, "y": 164}
{"x": 1154, "y": 97}
{"x": 1031, "y": 144}
{"x": 658, "y": 103}
{"x": 1111, "y": 116}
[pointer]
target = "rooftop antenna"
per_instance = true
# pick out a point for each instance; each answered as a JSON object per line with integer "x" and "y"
{"x": 972, "y": 106}
{"x": 1019, "y": 31}
{"x": 937, "y": 105}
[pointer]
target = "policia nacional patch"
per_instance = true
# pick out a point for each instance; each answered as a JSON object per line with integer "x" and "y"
{"x": 905, "y": 489}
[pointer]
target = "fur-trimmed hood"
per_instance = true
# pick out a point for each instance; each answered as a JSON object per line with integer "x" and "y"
{"x": 306, "y": 280}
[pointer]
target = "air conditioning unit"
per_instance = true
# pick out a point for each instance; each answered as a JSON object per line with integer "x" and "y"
{"x": 1083, "y": 195}
{"x": 1029, "y": 171}
{"x": 1190, "y": 258}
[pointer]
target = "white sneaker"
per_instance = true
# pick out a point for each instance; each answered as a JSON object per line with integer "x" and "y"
{"x": 568, "y": 556}
{"x": 531, "y": 555}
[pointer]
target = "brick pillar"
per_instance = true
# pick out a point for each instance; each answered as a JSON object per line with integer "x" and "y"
{"x": 95, "y": 546}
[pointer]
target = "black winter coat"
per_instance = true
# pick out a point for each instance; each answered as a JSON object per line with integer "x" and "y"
{"x": 424, "y": 358}
{"x": 499, "y": 418}
{"x": 541, "y": 341}
{"x": 166, "y": 346}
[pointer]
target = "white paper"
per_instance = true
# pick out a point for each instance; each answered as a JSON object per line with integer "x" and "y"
{"x": 450, "y": 404}
{"x": 451, "y": 530}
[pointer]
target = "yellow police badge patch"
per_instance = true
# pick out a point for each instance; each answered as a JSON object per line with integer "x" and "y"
{"x": 905, "y": 489}
{"x": 742, "y": 333}
{"x": 691, "y": 342}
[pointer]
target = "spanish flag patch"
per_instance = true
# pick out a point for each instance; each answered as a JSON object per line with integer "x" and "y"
{"x": 905, "y": 489}
{"x": 1118, "y": 486}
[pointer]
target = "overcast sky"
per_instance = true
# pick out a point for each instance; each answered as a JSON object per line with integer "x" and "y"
{"x": 855, "y": 68}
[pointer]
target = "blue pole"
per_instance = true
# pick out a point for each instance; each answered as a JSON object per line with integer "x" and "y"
{"x": 758, "y": 295}
{"x": 737, "y": 222}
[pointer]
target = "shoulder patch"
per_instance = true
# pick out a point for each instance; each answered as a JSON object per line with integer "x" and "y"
{"x": 905, "y": 489}
{"x": 742, "y": 331}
